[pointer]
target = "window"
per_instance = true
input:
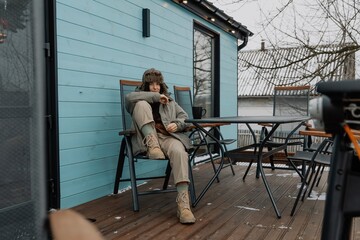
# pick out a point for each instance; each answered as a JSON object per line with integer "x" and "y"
{"x": 206, "y": 70}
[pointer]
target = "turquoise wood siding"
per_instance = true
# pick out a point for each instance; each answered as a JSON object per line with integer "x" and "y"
{"x": 100, "y": 42}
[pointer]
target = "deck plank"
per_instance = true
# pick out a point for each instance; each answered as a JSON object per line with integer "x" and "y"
{"x": 231, "y": 209}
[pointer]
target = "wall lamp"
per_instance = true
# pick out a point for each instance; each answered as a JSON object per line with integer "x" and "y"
{"x": 146, "y": 22}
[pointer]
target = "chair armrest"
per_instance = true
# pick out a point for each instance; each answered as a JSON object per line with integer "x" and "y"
{"x": 319, "y": 133}
{"x": 315, "y": 133}
{"x": 128, "y": 132}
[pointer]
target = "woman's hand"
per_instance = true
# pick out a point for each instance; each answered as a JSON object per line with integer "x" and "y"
{"x": 164, "y": 99}
{"x": 172, "y": 127}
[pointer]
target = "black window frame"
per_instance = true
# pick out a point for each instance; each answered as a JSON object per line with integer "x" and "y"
{"x": 215, "y": 85}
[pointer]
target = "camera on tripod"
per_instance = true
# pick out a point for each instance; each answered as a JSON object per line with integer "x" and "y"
{"x": 339, "y": 104}
{"x": 338, "y": 111}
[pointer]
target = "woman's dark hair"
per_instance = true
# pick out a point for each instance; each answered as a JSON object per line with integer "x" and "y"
{"x": 150, "y": 76}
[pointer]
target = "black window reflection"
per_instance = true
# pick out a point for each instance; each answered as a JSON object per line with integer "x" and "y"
{"x": 203, "y": 71}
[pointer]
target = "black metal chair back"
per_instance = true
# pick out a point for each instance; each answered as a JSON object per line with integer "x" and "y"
{"x": 127, "y": 86}
{"x": 291, "y": 101}
{"x": 287, "y": 101}
{"x": 183, "y": 98}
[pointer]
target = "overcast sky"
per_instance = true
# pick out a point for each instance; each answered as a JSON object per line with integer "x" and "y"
{"x": 252, "y": 13}
{"x": 249, "y": 14}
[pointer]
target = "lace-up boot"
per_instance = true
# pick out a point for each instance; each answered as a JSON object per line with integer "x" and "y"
{"x": 154, "y": 151}
{"x": 184, "y": 212}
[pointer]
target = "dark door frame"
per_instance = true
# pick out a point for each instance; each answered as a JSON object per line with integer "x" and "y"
{"x": 52, "y": 135}
{"x": 215, "y": 65}
{"x": 216, "y": 70}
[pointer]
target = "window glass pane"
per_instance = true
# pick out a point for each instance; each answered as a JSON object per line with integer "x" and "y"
{"x": 203, "y": 71}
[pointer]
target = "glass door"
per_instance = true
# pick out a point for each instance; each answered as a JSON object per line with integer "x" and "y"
{"x": 206, "y": 89}
{"x": 206, "y": 70}
{"x": 22, "y": 128}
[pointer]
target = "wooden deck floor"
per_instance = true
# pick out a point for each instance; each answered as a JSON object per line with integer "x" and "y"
{"x": 231, "y": 209}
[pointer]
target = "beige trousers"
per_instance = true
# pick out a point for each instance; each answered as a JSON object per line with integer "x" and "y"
{"x": 172, "y": 147}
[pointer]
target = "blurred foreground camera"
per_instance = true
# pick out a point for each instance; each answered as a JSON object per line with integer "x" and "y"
{"x": 338, "y": 111}
{"x": 339, "y": 104}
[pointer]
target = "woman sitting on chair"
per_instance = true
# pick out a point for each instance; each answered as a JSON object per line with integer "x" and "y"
{"x": 159, "y": 122}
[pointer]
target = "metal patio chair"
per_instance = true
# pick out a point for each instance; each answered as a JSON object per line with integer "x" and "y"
{"x": 183, "y": 97}
{"x": 317, "y": 161}
{"x": 287, "y": 101}
{"x": 127, "y": 86}
{"x": 290, "y": 101}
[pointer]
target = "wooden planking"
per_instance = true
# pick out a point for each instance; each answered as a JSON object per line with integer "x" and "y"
{"x": 101, "y": 56}
{"x": 87, "y": 51}
{"x": 93, "y": 16}
{"x": 88, "y": 183}
{"x": 124, "y": 56}
{"x": 87, "y": 168}
{"x": 228, "y": 87}
{"x": 228, "y": 56}
{"x": 129, "y": 15}
{"x": 99, "y": 26}
{"x": 232, "y": 209}
{"x": 80, "y": 109}
{"x": 87, "y": 139}
{"x": 76, "y": 155}
{"x": 97, "y": 67}
{"x": 90, "y": 174}
{"x": 68, "y": 77}
{"x": 87, "y": 124}
{"x": 94, "y": 193}
{"x": 263, "y": 220}
{"x": 88, "y": 94}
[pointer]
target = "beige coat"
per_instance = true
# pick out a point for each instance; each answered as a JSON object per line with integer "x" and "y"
{"x": 170, "y": 113}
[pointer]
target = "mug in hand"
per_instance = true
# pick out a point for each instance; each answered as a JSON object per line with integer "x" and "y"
{"x": 198, "y": 112}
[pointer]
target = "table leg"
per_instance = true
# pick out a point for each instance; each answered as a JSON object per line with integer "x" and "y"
{"x": 255, "y": 150}
{"x": 216, "y": 174}
{"x": 261, "y": 169}
{"x": 197, "y": 199}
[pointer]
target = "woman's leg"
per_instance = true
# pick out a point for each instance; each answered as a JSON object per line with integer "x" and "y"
{"x": 142, "y": 114}
{"x": 179, "y": 158}
{"x": 144, "y": 122}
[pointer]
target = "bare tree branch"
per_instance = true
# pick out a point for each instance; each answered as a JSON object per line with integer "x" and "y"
{"x": 327, "y": 30}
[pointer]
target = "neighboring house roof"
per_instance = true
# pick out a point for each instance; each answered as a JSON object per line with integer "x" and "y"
{"x": 255, "y": 81}
{"x": 216, "y": 16}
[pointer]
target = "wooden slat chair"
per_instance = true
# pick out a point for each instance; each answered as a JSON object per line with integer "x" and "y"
{"x": 183, "y": 97}
{"x": 127, "y": 86}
